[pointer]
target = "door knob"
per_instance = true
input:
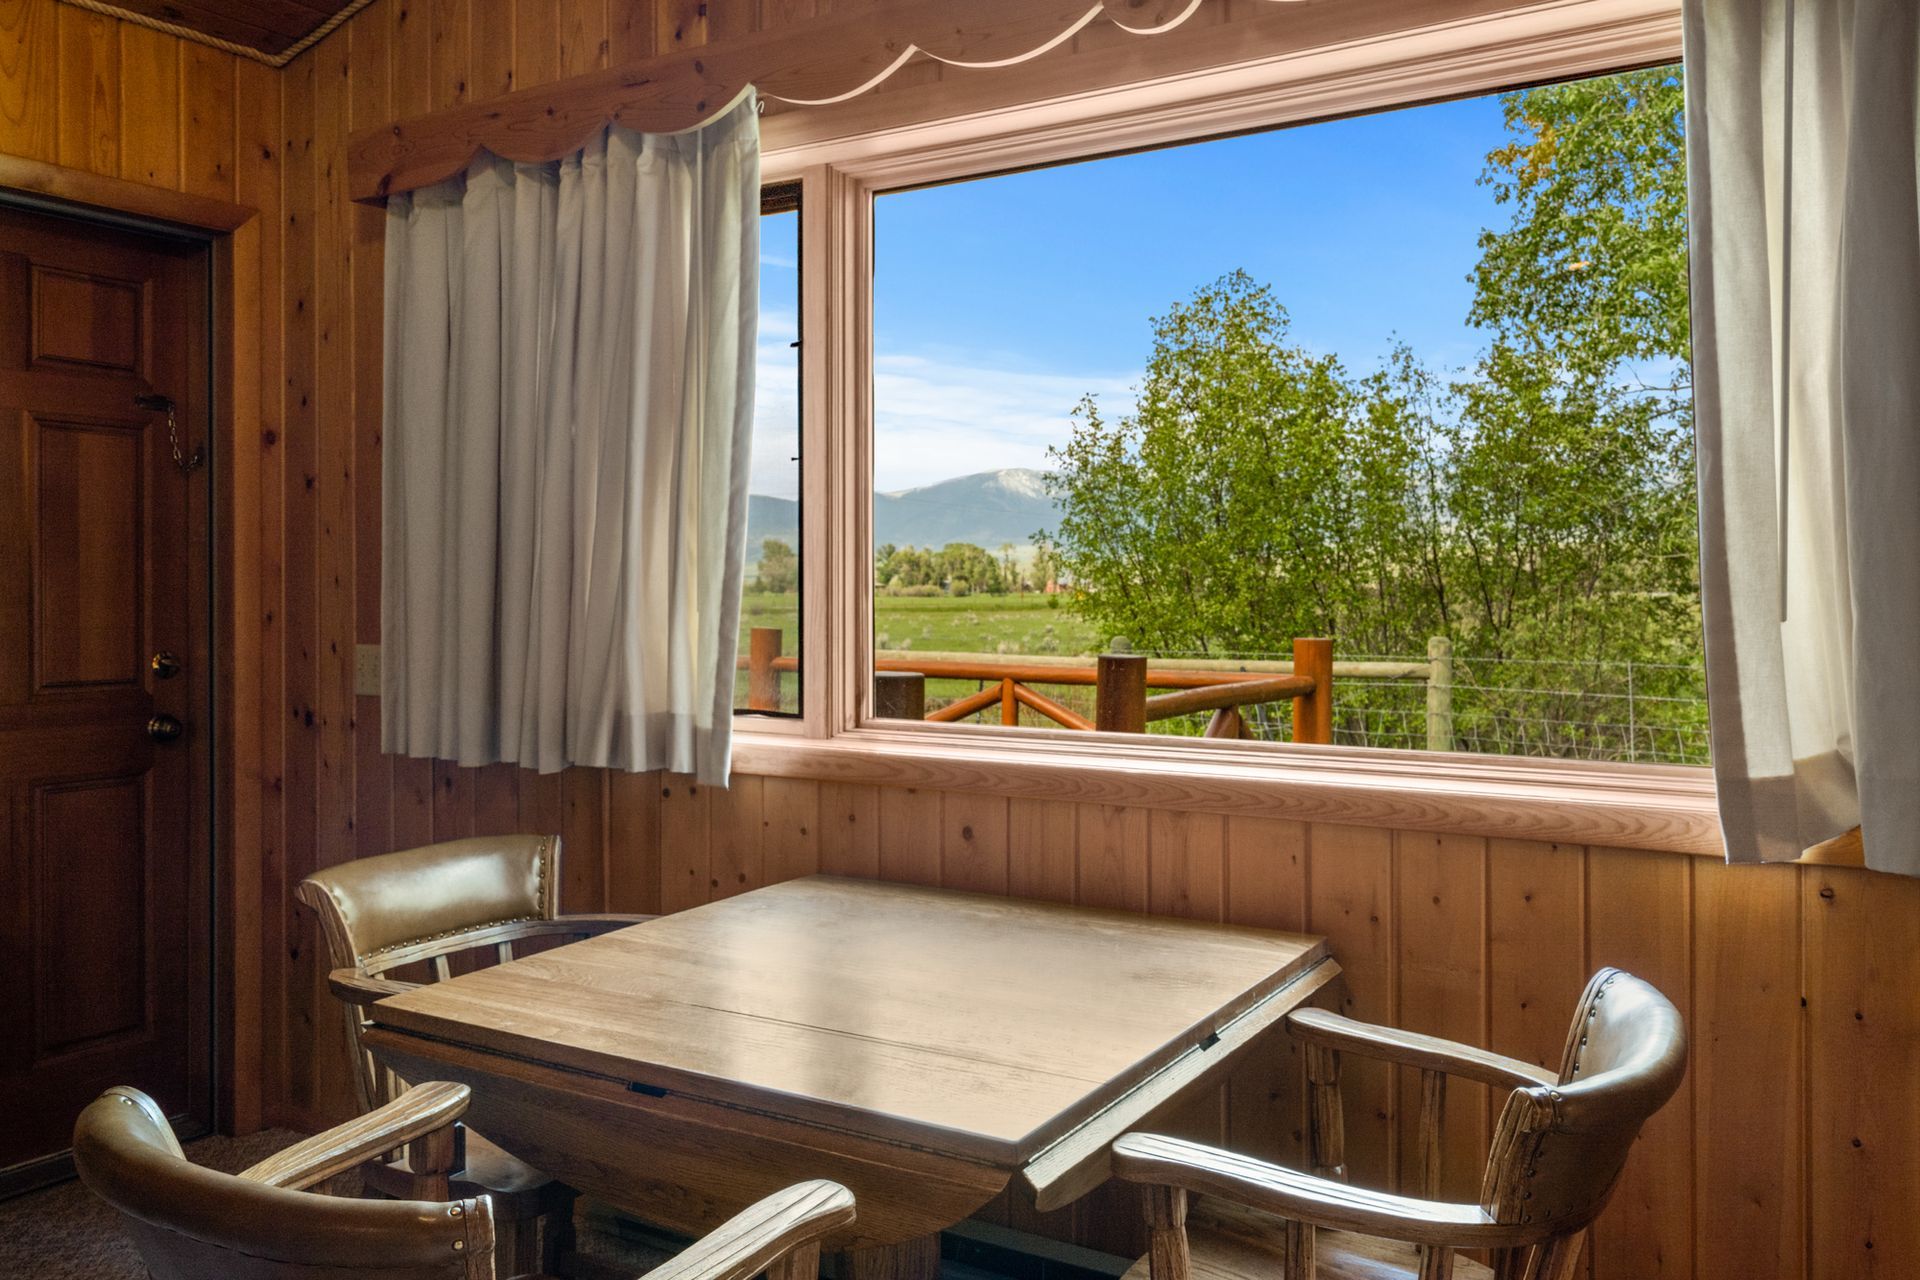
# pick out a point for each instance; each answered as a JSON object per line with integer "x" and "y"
{"x": 164, "y": 728}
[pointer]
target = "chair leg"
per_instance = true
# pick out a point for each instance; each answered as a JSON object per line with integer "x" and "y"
{"x": 1167, "y": 1255}
{"x": 1300, "y": 1262}
{"x": 557, "y": 1240}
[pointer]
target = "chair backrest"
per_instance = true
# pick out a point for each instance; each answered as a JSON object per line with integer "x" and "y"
{"x": 1558, "y": 1150}
{"x": 423, "y": 905}
{"x": 386, "y": 911}
{"x": 190, "y": 1223}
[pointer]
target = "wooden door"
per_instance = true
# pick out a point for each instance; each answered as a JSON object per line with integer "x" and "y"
{"x": 105, "y": 861}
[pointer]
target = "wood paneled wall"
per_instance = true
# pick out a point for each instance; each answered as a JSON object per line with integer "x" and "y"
{"x": 1789, "y": 1153}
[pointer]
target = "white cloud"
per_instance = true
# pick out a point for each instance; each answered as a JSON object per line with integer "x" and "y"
{"x": 940, "y": 417}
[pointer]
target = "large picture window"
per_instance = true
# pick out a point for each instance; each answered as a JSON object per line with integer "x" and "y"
{"x": 1414, "y": 384}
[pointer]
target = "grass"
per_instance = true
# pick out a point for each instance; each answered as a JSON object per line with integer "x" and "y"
{"x": 1016, "y": 624}
{"x": 966, "y": 624}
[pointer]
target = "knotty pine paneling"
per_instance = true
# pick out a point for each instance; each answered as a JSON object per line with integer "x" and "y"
{"x": 1787, "y": 1154}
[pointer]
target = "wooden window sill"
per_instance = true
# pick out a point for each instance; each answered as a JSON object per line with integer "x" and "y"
{"x": 1663, "y": 807}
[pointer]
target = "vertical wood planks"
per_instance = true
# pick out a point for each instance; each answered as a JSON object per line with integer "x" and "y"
{"x": 206, "y": 111}
{"x": 450, "y": 51}
{"x": 88, "y": 128}
{"x": 1747, "y": 1044}
{"x": 149, "y": 107}
{"x": 633, "y": 842}
{"x": 370, "y": 103}
{"x": 1638, "y": 913}
{"x": 299, "y": 480}
{"x": 583, "y": 36}
{"x": 973, "y": 842}
{"x": 1111, "y": 857}
{"x": 583, "y": 835}
{"x": 1350, "y": 903}
{"x": 1041, "y": 849}
{"x": 1186, "y": 865}
{"x": 333, "y": 428}
{"x": 684, "y": 843}
{"x": 1863, "y": 1029}
{"x": 29, "y": 71}
{"x": 910, "y": 835}
{"x": 1266, "y": 887}
{"x": 1440, "y": 926}
{"x": 736, "y": 853}
{"x": 849, "y": 829}
{"x": 790, "y": 809}
{"x": 1536, "y": 949}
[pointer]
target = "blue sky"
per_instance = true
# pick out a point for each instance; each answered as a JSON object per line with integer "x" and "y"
{"x": 999, "y": 301}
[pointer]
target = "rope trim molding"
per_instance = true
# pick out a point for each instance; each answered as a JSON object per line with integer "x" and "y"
{"x": 275, "y": 60}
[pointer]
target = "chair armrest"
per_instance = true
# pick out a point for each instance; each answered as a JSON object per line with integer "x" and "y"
{"x": 1429, "y": 1053}
{"x": 761, "y": 1236}
{"x": 1301, "y": 1197}
{"x": 359, "y": 989}
{"x": 601, "y": 921}
{"x": 421, "y": 1110}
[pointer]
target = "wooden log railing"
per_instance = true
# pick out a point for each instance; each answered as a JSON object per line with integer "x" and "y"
{"x": 900, "y": 675}
{"x": 1120, "y": 681}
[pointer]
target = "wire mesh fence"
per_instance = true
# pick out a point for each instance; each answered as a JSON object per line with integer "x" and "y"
{"x": 1643, "y": 712}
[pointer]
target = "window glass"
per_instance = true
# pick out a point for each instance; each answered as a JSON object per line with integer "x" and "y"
{"x": 769, "y": 664}
{"x": 1415, "y": 383}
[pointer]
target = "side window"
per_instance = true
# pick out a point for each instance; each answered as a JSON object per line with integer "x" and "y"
{"x": 770, "y": 612}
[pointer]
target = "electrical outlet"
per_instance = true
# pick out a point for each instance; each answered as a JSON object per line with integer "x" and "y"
{"x": 366, "y": 670}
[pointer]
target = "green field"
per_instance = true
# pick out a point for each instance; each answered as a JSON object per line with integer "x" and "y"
{"x": 1021, "y": 624}
{"x": 1031, "y": 623}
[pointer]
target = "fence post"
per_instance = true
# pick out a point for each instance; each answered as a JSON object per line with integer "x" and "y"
{"x": 1313, "y": 712}
{"x": 1120, "y": 693}
{"x": 763, "y": 682}
{"x": 899, "y": 695}
{"x": 1009, "y": 705}
{"x": 1439, "y": 693}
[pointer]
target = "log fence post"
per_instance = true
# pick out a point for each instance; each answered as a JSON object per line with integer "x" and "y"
{"x": 763, "y": 682}
{"x": 1313, "y": 712}
{"x": 1120, "y": 693}
{"x": 1439, "y": 694}
{"x": 899, "y": 695}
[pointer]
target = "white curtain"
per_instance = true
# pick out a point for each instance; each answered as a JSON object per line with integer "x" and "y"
{"x": 1803, "y": 127}
{"x": 569, "y": 402}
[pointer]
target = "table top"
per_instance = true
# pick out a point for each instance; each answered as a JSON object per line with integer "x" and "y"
{"x": 977, "y": 1025}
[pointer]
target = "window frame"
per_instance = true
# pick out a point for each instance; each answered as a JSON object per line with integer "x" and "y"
{"x": 789, "y": 196}
{"x": 1669, "y": 807}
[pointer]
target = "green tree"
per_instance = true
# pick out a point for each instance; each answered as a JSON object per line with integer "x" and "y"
{"x": 1256, "y": 493}
{"x": 1594, "y": 262}
{"x": 779, "y": 569}
{"x": 1537, "y": 505}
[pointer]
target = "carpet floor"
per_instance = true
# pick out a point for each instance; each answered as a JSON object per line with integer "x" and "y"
{"x": 63, "y": 1233}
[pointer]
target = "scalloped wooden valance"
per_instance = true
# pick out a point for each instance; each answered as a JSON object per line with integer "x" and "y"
{"x": 810, "y": 64}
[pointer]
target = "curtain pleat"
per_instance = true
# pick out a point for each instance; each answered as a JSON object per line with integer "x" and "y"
{"x": 569, "y": 406}
{"x": 1803, "y": 123}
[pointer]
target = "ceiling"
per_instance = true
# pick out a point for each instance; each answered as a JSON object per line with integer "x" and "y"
{"x": 269, "y": 30}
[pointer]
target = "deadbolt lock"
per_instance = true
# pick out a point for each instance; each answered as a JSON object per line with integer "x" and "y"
{"x": 166, "y": 665}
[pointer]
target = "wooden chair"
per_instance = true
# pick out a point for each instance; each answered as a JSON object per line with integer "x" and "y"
{"x": 191, "y": 1223}
{"x": 1557, "y": 1151}
{"x": 423, "y": 907}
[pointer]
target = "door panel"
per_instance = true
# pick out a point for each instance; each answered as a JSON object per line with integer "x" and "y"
{"x": 91, "y": 976}
{"x": 89, "y": 605}
{"x": 105, "y": 871}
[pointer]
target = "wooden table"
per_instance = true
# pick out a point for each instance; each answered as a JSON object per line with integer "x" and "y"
{"x": 921, "y": 1046}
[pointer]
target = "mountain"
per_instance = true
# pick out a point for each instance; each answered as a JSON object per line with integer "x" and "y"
{"x": 989, "y": 509}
